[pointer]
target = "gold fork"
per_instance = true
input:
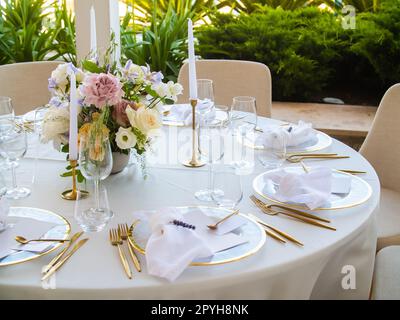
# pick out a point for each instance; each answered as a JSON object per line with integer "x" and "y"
{"x": 123, "y": 230}
{"x": 116, "y": 240}
{"x": 267, "y": 210}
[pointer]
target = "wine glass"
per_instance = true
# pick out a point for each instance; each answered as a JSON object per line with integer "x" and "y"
{"x": 273, "y": 154}
{"x": 231, "y": 189}
{"x": 87, "y": 218}
{"x": 13, "y": 146}
{"x": 212, "y": 147}
{"x": 243, "y": 117}
{"x": 95, "y": 163}
{"x": 6, "y": 115}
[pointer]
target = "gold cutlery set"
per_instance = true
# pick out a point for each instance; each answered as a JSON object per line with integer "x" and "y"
{"x": 58, "y": 261}
{"x": 117, "y": 238}
{"x": 274, "y": 209}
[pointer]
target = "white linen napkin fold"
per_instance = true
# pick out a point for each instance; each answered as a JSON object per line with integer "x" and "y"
{"x": 183, "y": 112}
{"x": 170, "y": 248}
{"x": 29, "y": 229}
{"x": 294, "y": 135}
{"x": 312, "y": 189}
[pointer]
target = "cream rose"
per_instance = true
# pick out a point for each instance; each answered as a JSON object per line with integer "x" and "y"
{"x": 144, "y": 119}
{"x": 125, "y": 138}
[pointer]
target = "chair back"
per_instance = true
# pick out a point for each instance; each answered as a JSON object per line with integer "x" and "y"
{"x": 232, "y": 78}
{"x": 26, "y": 84}
{"x": 382, "y": 145}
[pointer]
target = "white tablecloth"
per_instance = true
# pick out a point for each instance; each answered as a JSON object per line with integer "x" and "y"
{"x": 276, "y": 272}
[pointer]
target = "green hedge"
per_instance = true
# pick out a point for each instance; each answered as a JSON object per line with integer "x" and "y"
{"x": 308, "y": 50}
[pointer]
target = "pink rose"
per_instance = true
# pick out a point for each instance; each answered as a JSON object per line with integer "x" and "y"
{"x": 119, "y": 114}
{"x": 102, "y": 90}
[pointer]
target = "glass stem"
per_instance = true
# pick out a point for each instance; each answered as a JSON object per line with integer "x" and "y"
{"x": 243, "y": 149}
{"x": 96, "y": 193}
{"x": 210, "y": 176}
{"x": 14, "y": 177}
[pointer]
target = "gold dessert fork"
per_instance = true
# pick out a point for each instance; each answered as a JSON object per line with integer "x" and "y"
{"x": 123, "y": 229}
{"x": 116, "y": 240}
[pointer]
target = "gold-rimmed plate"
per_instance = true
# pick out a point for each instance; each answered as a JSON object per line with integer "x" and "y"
{"x": 61, "y": 230}
{"x": 251, "y": 230}
{"x": 320, "y": 142}
{"x": 360, "y": 191}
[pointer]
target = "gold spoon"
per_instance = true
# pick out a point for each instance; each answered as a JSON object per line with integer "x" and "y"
{"x": 215, "y": 226}
{"x": 22, "y": 240}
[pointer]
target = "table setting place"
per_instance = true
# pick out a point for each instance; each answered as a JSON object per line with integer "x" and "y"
{"x": 295, "y": 182}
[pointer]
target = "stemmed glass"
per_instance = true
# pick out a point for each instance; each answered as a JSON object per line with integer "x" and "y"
{"x": 13, "y": 146}
{"x": 95, "y": 163}
{"x": 231, "y": 189}
{"x": 243, "y": 117}
{"x": 212, "y": 147}
{"x": 6, "y": 124}
{"x": 6, "y": 115}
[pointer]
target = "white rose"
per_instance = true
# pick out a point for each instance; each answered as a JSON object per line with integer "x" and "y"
{"x": 125, "y": 138}
{"x": 144, "y": 119}
{"x": 55, "y": 125}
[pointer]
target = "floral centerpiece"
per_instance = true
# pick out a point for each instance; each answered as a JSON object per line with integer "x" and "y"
{"x": 122, "y": 101}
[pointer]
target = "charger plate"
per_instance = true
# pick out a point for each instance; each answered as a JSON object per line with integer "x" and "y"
{"x": 359, "y": 193}
{"x": 60, "y": 231}
{"x": 251, "y": 231}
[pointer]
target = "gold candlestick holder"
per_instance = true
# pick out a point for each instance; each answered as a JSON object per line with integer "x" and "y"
{"x": 195, "y": 161}
{"x": 72, "y": 194}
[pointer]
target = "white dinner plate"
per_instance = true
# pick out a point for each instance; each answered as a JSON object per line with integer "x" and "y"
{"x": 60, "y": 231}
{"x": 359, "y": 193}
{"x": 321, "y": 141}
{"x": 251, "y": 230}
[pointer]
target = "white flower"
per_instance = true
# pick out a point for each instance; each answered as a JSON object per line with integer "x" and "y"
{"x": 56, "y": 125}
{"x": 125, "y": 138}
{"x": 174, "y": 89}
{"x": 145, "y": 119}
{"x": 133, "y": 72}
{"x": 60, "y": 76}
{"x": 161, "y": 89}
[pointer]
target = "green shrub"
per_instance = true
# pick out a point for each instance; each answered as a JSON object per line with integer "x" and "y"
{"x": 308, "y": 50}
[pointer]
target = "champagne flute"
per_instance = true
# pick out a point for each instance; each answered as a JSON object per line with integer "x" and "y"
{"x": 95, "y": 163}
{"x": 212, "y": 148}
{"x": 243, "y": 117}
{"x": 13, "y": 146}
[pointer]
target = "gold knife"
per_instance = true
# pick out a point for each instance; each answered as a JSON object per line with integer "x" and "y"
{"x": 63, "y": 260}
{"x": 283, "y": 234}
{"x": 58, "y": 256}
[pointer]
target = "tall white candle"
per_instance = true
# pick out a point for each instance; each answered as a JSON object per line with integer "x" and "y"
{"x": 73, "y": 119}
{"x": 93, "y": 36}
{"x": 192, "y": 63}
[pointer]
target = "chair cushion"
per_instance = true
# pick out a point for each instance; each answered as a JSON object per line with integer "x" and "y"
{"x": 389, "y": 218}
{"x": 386, "y": 283}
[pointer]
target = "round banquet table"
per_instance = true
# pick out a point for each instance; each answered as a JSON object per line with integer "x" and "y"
{"x": 278, "y": 271}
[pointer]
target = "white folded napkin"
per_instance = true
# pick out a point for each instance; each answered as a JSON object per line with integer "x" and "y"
{"x": 29, "y": 229}
{"x": 183, "y": 112}
{"x": 170, "y": 248}
{"x": 293, "y": 135}
{"x": 312, "y": 189}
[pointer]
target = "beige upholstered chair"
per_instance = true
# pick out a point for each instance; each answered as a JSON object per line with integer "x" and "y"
{"x": 26, "y": 84}
{"x": 382, "y": 150}
{"x": 233, "y": 78}
{"x": 386, "y": 284}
